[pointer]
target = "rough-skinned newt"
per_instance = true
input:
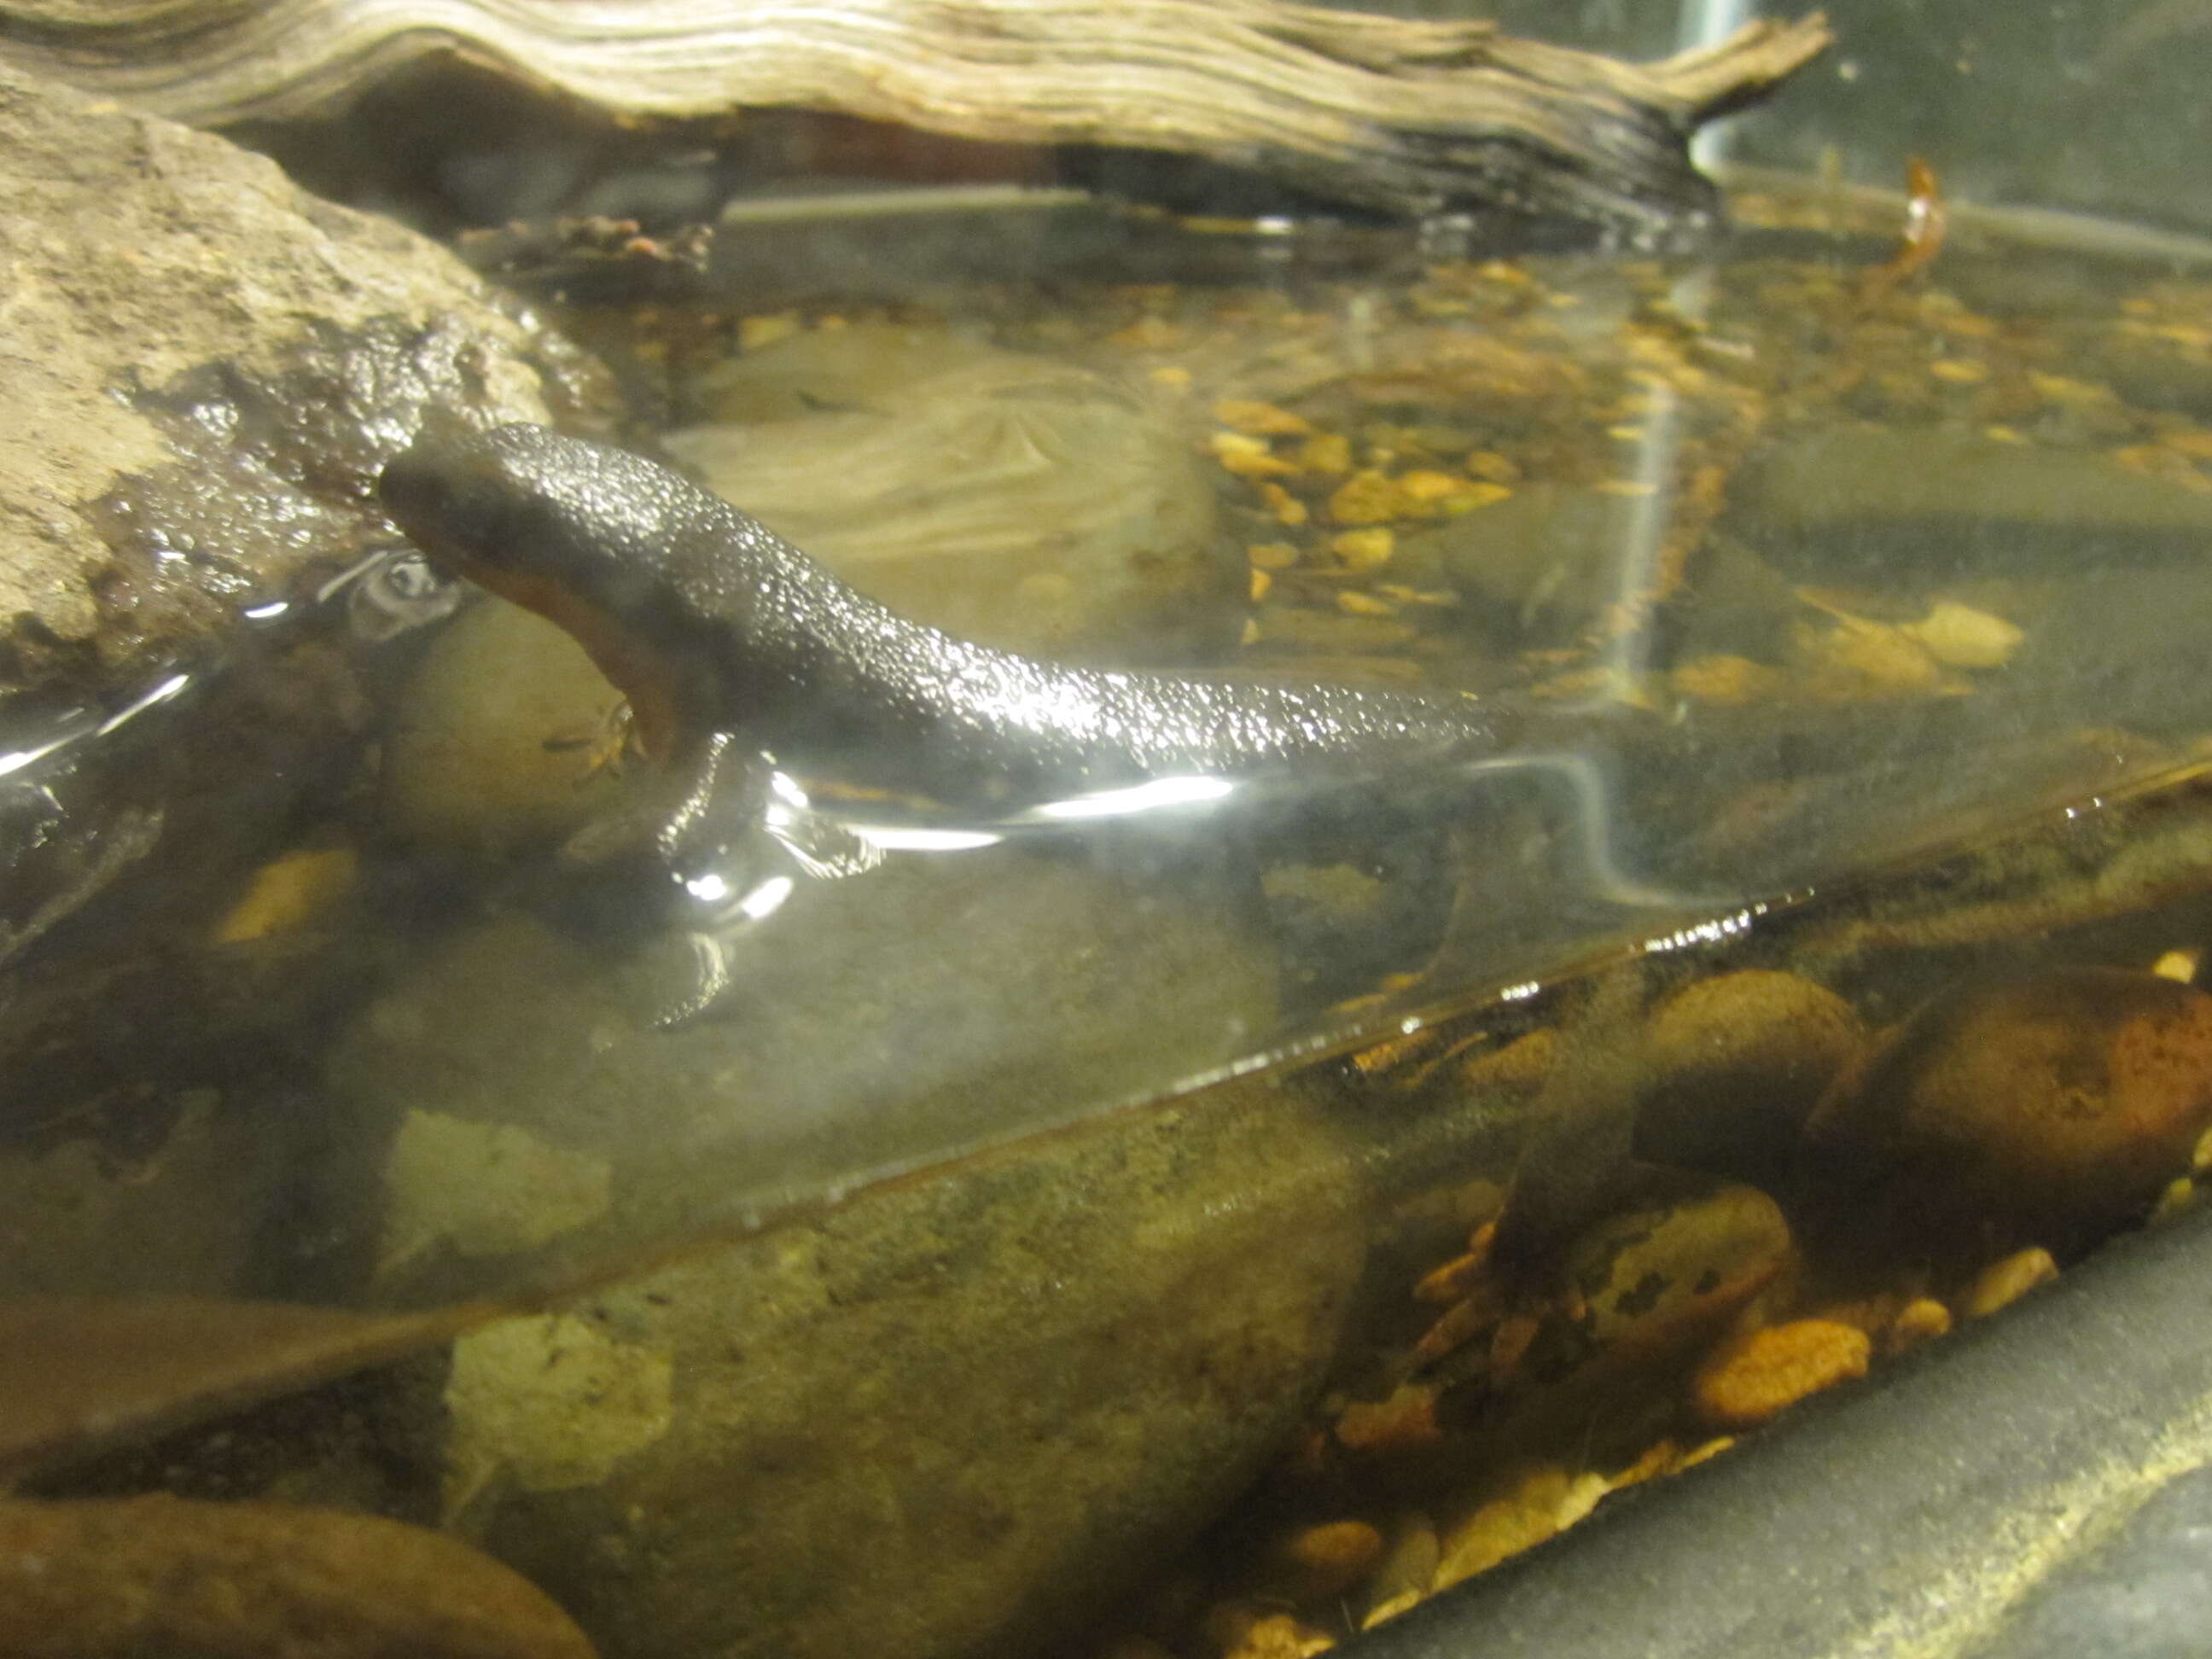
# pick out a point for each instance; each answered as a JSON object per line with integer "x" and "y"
{"x": 750, "y": 665}
{"x": 708, "y": 621}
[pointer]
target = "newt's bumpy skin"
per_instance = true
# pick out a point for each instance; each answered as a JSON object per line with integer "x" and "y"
{"x": 709, "y": 622}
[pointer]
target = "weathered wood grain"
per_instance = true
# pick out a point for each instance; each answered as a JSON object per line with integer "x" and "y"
{"x": 1404, "y": 116}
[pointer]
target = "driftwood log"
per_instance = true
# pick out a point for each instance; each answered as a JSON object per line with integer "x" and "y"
{"x": 1403, "y": 115}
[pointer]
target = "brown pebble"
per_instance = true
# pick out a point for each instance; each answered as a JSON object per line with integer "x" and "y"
{"x": 2004, "y": 1282}
{"x": 2049, "y": 1110}
{"x": 1453, "y": 1281}
{"x": 1245, "y": 415}
{"x": 289, "y": 893}
{"x": 1661, "y": 1457}
{"x": 1704, "y": 1451}
{"x": 1364, "y": 549}
{"x": 1326, "y": 452}
{"x": 1746, "y": 1381}
{"x": 1668, "y": 1276}
{"x": 1726, "y": 680}
{"x": 101, "y": 1579}
{"x": 1368, "y": 497}
{"x": 1240, "y": 1630}
{"x": 1407, "y": 1567}
{"x": 1317, "y": 1563}
{"x": 1389, "y": 1608}
{"x": 1518, "y": 1069}
{"x": 2179, "y": 1196}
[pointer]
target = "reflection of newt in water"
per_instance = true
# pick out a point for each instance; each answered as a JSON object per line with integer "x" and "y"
{"x": 1925, "y": 223}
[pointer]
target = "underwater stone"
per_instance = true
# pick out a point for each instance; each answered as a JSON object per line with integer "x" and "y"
{"x": 1739, "y": 1060}
{"x": 2049, "y": 1108}
{"x": 1667, "y": 1274}
{"x": 96, "y": 1579}
{"x": 1538, "y": 565}
{"x": 500, "y": 740}
{"x": 892, "y": 1019}
{"x": 956, "y": 1417}
{"x": 1004, "y": 497}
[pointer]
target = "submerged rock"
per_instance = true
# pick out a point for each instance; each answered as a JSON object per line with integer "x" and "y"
{"x": 100, "y": 1579}
{"x": 1004, "y": 497}
{"x": 1755, "y": 1377}
{"x": 501, "y": 739}
{"x": 958, "y": 1417}
{"x": 1664, "y": 1275}
{"x": 1739, "y": 1060}
{"x": 2043, "y": 1109}
{"x": 893, "y": 1018}
{"x": 1537, "y": 567}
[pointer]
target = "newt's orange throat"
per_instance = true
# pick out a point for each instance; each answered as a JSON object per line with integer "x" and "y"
{"x": 616, "y": 649}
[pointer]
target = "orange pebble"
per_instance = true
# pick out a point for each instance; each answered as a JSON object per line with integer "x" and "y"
{"x": 1746, "y": 1381}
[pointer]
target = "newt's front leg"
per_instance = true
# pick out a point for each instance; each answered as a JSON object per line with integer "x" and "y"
{"x": 734, "y": 839}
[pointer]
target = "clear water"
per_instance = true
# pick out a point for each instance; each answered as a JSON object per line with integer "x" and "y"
{"x": 1855, "y": 618}
{"x": 1802, "y": 573}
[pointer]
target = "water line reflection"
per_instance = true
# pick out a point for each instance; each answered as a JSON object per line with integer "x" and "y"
{"x": 751, "y": 838}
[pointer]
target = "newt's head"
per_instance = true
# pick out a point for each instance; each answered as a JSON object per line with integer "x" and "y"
{"x": 578, "y": 532}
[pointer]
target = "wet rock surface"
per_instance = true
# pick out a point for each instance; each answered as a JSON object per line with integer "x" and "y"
{"x": 1003, "y": 496}
{"x": 955, "y": 1418}
{"x": 207, "y": 366}
{"x": 102, "y": 1580}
